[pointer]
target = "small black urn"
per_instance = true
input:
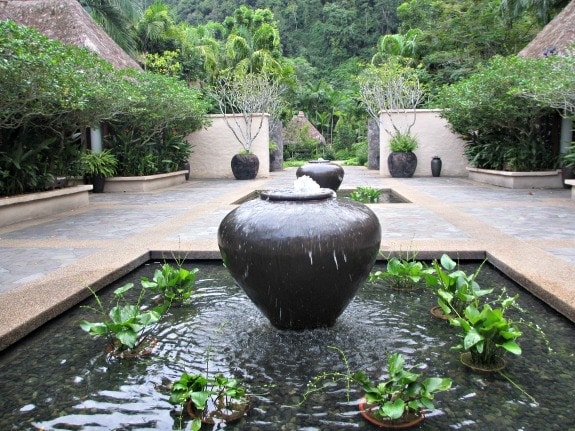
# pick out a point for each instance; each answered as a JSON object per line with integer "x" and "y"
{"x": 300, "y": 257}
{"x": 328, "y": 175}
{"x": 245, "y": 166}
{"x": 436, "y": 166}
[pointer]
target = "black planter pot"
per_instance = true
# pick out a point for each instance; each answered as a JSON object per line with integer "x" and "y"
{"x": 402, "y": 164}
{"x": 436, "y": 164}
{"x": 245, "y": 166}
{"x": 300, "y": 257}
{"x": 328, "y": 175}
{"x": 186, "y": 167}
{"x": 98, "y": 183}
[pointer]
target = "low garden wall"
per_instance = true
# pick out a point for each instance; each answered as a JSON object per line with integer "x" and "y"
{"x": 435, "y": 139}
{"x": 214, "y": 147}
{"x": 34, "y": 205}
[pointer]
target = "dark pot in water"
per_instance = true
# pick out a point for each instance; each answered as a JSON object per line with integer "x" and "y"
{"x": 402, "y": 164}
{"x": 328, "y": 175}
{"x": 245, "y": 166}
{"x": 300, "y": 257}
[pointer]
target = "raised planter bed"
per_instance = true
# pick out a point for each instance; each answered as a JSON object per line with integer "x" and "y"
{"x": 145, "y": 183}
{"x": 34, "y": 205}
{"x": 518, "y": 180}
{"x": 572, "y": 184}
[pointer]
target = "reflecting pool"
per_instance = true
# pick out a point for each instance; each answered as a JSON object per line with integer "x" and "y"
{"x": 60, "y": 379}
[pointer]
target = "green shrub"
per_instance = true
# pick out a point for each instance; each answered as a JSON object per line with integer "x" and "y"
{"x": 403, "y": 142}
{"x": 502, "y": 129}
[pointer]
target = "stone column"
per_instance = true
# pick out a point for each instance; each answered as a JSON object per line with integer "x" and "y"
{"x": 372, "y": 144}
{"x": 276, "y": 138}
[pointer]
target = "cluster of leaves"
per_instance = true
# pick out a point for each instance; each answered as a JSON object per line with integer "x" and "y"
{"x": 125, "y": 323}
{"x": 51, "y": 91}
{"x": 504, "y": 131}
{"x": 402, "y": 391}
{"x": 365, "y": 194}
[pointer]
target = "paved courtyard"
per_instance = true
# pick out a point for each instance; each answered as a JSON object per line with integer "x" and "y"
{"x": 46, "y": 264}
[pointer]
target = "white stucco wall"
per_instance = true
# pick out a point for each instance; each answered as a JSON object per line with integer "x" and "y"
{"x": 435, "y": 139}
{"x": 214, "y": 147}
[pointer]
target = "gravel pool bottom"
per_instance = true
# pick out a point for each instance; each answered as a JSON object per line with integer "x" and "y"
{"x": 59, "y": 378}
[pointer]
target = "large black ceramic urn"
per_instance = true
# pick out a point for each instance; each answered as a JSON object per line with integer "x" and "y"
{"x": 326, "y": 174}
{"x": 300, "y": 257}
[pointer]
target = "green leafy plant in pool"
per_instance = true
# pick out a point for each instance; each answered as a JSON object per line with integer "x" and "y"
{"x": 126, "y": 325}
{"x": 213, "y": 399}
{"x": 402, "y": 272}
{"x": 401, "y": 392}
{"x": 365, "y": 194}
{"x": 454, "y": 288}
{"x": 174, "y": 283}
{"x": 487, "y": 333}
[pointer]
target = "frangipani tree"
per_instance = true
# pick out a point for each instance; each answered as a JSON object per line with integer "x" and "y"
{"x": 243, "y": 99}
{"x": 390, "y": 88}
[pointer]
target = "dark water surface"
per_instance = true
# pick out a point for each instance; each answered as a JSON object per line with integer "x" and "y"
{"x": 60, "y": 379}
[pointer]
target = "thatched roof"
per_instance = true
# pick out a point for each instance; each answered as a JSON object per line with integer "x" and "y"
{"x": 556, "y": 37}
{"x": 67, "y": 21}
{"x": 300, "y": 121}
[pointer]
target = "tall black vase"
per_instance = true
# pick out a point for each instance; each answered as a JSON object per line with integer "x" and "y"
{"x": 436, "y": 166}
{"x": 300, "y": 257}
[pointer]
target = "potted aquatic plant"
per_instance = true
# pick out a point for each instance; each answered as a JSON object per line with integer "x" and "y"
{"x": 365, "y": 194}
{"x": 487, "y": 334}
{"x": 97, "y": 166}
{"x": 126, "y": 325}
{"x": 210, "y": 400}
{"x": 172, "y": 284}
{"x": 399, "y": 401}
{"x": 243, "y": 101}
{"x": 454, "y": 288}
{"x": 402, "y": 160}
{"x": 402, "y": 273}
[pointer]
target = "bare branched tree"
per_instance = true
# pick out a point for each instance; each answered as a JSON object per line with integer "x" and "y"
{"x": 242, "y": 101}
{"x": 390, "y": 89}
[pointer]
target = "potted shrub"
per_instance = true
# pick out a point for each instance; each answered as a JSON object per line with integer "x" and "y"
{"x": 397, "y": 402}
{"x": 126, "y": 325}
{"x": 98, "y": 166}
{"x": 487, "y": 335}
{"x": 209, "y": 400}
{"x": 402, "y": 160}
{"x": 243, "y": 100}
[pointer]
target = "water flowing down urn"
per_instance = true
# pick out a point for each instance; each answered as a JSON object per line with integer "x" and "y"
{"x": 300, "y": 257}
{"x": 328, "y": 175}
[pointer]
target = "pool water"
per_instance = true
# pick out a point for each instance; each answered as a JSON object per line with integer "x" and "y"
{"x": 59, "y": 378}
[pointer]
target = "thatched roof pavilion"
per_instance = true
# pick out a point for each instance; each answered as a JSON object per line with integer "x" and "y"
{"x": 67, "y": 21}
{"x": 300, "y": 121}
{"x": 556, "y": 37}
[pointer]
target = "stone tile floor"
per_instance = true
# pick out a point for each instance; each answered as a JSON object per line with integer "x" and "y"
{"x": 46, "y": 264}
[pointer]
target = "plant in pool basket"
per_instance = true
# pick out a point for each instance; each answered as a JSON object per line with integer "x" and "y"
{"x": 487, "y": 335}
{"x": 403, "y": 273}
{"x": 173, "y": 284}
{"x": 126, "y": 325}
{"x": 210, "y": 400}
{"x": 454, "y": 288}
{"x": 397, "y": 402}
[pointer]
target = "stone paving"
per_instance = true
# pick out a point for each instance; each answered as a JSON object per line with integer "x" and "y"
{"x": 46, "y": 264}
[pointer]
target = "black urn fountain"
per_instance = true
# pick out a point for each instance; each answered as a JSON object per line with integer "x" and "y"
{"x": 328, "y": 175}
{"x": 300, "y": 257}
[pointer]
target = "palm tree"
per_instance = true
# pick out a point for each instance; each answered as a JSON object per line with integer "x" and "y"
{"x": 117, "y": 18}
{"x": 542, "y": 9}
{"x": 397, "y": 45}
